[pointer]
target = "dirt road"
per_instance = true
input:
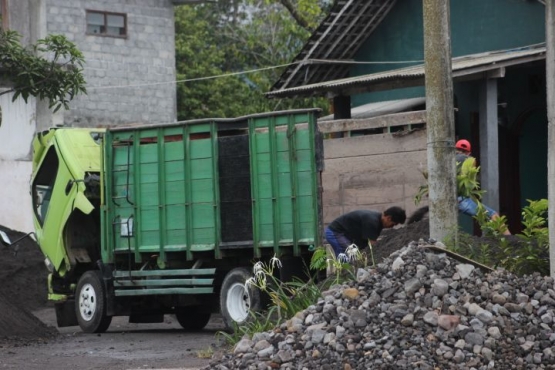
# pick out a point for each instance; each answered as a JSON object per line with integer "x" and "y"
{"x": 125, "y": 346}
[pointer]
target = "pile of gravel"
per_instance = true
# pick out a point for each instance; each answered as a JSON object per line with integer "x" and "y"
{"x": 416, "y": 310}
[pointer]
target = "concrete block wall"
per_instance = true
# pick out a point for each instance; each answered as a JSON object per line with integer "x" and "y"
{"x": 146, "y": 57}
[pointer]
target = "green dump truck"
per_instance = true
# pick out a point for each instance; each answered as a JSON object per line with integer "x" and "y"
{"x": 148, "y": 220}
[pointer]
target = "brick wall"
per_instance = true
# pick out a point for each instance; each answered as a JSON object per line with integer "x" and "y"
{"x": 145, "y": 57}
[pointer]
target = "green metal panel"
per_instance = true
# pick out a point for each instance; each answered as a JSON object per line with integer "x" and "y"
{"x": 163, "y": 282}
{"x": 145, "y": 292}
{"x": 164, "y": 179}
{"x": 284, "y": 182}
{"x": 150, "y": 273}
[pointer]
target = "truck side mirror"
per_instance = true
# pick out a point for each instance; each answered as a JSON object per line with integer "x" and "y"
{"x": 8, "y": 243}
{"x": 5, "y": 239}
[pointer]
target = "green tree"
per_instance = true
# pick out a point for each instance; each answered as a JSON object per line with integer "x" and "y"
{"x": 50, "y": 69}
{"x": 234, "y": 36}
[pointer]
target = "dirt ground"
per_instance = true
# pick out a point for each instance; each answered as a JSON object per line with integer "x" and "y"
{"x": 29, "y": 338}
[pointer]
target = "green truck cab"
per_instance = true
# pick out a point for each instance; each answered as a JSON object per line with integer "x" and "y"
{"x": 148, "y": 220}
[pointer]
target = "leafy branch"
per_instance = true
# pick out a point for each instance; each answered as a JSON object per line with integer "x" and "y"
{"x": 51, "y": 69}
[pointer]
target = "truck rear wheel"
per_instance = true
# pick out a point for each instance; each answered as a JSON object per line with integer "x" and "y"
{"x": 237, "y": 300}
{"x": 193, "y": 318}
{"x": 90, "y": 303}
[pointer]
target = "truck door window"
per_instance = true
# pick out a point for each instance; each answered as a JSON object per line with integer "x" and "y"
{"x": 44, "y": 183}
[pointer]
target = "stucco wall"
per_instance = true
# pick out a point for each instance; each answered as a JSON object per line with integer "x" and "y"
{"x": 18, "y": 124}
{"x": 368, "y": 169}
{"x": 146, "y": 57}
{"x": 16, "y": 200}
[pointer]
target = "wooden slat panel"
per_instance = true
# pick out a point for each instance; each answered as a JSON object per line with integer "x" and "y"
{"x": 389, "y": 120}
{"x": 370, "y": 145}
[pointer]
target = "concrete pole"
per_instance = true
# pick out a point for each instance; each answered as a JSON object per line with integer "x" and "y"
{"x": 550, "y": 82}
{"x": 489, "y": 143}
{"x": 440, "y": 120}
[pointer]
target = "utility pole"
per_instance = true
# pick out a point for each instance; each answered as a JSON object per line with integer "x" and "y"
{"x": 550, "y": 82}
{"x": 440, "y": 120}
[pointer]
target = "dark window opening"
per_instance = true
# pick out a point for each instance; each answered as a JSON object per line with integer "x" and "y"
{"x": 536, "y": 84}
{"x": 370, "y": 131}
{"x": 44, "y": 183}
{"x": 232, "y": 133}
{"x": 148, "y": 140}
{"x": 172, "y": 138}
{"x": 106, "y": 24}
{"x": 199, "y": 136}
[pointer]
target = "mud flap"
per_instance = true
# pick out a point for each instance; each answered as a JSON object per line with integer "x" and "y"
{"x": 65, "y": 313}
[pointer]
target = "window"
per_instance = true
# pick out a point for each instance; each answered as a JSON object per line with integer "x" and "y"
{"x": 106, "y": 24}
{"x": 44, "y": 184}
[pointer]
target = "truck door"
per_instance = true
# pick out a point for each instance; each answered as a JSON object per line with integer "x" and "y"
{"x": 52, "y": 199}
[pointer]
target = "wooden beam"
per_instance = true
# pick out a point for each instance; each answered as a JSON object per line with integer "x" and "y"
{"x": 388, "y": 120}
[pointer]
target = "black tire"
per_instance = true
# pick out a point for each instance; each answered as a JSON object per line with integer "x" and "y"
{"x": 237, "y": 301}
{"x": 90, "y": 303}
{"x": 193, "y": 318}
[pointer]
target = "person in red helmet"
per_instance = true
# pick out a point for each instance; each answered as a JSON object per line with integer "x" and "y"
{"x": 467, "y": 205}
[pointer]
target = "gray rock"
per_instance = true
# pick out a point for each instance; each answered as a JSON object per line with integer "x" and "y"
{"x": 433, "y": 313}
{"x": 464, "y": 270}
{"x": 431, "y": 318}
{"x": 440, "y": 287}
{"x": 412, "y": 286}
{"x": 244, "y": 345}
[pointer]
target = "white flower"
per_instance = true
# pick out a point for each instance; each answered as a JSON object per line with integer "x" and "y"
{"x": 250, "y": 282}
{"x": 352, "y": 252}
{"x": 275, "y": 262}
{"x": 342, "y": 257}
{"x": 257, "y": 268}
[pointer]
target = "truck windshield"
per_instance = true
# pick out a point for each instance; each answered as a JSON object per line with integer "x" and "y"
{"x": 44, "y": 183}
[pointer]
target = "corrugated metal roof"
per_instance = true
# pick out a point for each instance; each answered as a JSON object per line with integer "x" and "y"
{"x": 335, "y": 41}
{"x": 461, "y": 66}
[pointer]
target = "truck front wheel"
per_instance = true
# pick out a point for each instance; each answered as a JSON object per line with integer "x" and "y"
{"x": 90, "y": 303}
{"x": 237, "y": 300}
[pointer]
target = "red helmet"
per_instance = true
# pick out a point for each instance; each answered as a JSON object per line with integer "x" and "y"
{"x": 463, "y": 145}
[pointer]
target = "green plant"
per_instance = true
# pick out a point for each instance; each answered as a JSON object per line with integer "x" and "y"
{"x": 468, "y": 186}
{"x": 341, "y": 268}
{"x": 287, "y": 298}
{"x": 422, "y": 190}
{"x": 57, "y": 77}
{"x": 490, "y": 227}
{"x": 524, "y": 253}
{"x": 533, "y": 255}
{"x": 205, "y": 353}
{"x": 467, "y": 180}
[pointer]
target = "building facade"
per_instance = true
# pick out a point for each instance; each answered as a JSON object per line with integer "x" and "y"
{"x": 129, "y": 52}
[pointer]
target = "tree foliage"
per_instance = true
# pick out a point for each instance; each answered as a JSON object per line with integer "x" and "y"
{"x": 50, "y": 69}
{"x": 229, "y": 54}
